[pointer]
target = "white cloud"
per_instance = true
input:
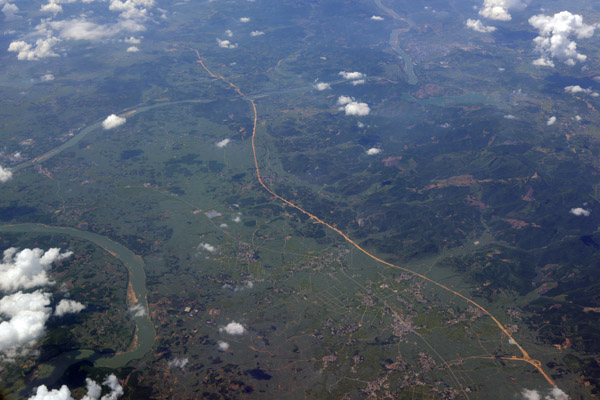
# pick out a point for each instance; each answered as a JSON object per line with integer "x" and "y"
{"x": 256, "y": 33}
{"x": 10, "y": 11}
{"x": 577, "y": 89}
{"x": 51, "y": 8}
{"x": 113, "y": 121}
{"x": 26, "y": 51}
{"x": 236, "y": 219}
{"x": 233, "y": 328}
{"x": 238, "y": 288}
{"x": 578, "y": 118}
{"x": 352, "y": 75}
{"x": 137, "y": 310}
{"x": 82, "y": 29}
{"x": 178, "y": 362}
{"x": 344, "y": 100}
{"x": 47, "y": 78}
{"x": 133, "y": 49}
{"x": 27, "y": 268}
{"x": 478, "y": 26}
{"x": 112, "y": 382}
{"x": 42, "y": 393}
{"x": 373, "y": 151}
{"x": 358, "y": 82}
{"x": 5, "y": 174}
{"x": 551, "y": 121}
{"x": 356, "y": 108}
{"x": 557, "y": 394}
{"x": 132, "y": 40}
{"x": 26, "y": 314}
{"x": 531, "y": 394}
{"x": 352, "y": 107}
{"x": 554, "y": 40}
{"x": 376, "y": 18}
{"x": 244, "y": 19}
{"x": 93, "y": 391}
{"x": 208, "y": 247}
{"x": 226, "y": 44}
{"x": 68, "y": 307}
{"x": 132, "y": 17}
{"x": 223, "y": 143}
{"x": 498, "y": 9}
{"x": 223, "y": 346}
{"x": 543, "y": 62}
{"x": 510, "y": 116}
{"x": 322, "y": 86}
{"x": 579, "y": 212}
{"x": 554, "y": 394}
{"x": 228, "y": 33}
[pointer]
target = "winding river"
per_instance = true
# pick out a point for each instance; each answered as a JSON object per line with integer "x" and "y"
{"x": 145, "y": 333}
{"x": 395, "y": 42}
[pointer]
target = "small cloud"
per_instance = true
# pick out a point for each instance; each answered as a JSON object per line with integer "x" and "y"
{"x": 357, "y": 109}
{"x": 551, "y": 121}
{"x": 28, "y": 52}
{"x": 178, "y": 363}
{"x": 358, "y": 82}
{"x": 5, "y": 174}
{"x": 10, "y": 12}
{"x": 113, "y": 121}
{"x": 68, "y": 307}
{"x": 478, "y": 26}
{"x": 137, "y": 310}
{"x": 445, "y": 125}
{"x": 132, "y": 40}
{"x": 207, "y": 247}
{"x": 51, "y": 7}
{"x": 342, "y": 100}
{"x": 133, "y": 49}
{"x": 555, "y": 37}
{"x": 376, "y": 18}
{"x": 579, "y": 212}
{"x": 233, "y": 328}
{"x": 543, "y": 62}
{"x": 509, "y": 116}
{"x": 498, "y": 9}
{"x": 47, "y": 78}
{"x": 577, "y": 89}
{"x": 373, "y": 151}
{"x": 352, "y": 75}
{"x": 226, "y": 44}
{"x": 228, "y": 33}
{"x": 554, "y": 394}
{"x": 223, "y": 346}
{"x": 322, "y": 86}
{"x": 25, "y": 324}
{"x": 256, "y": 33}
{"x": 93, "y": 391}
{"x": 223, "y": 143}
{"x": 244, "y": 19}
{"x": 238, "y": 288}
{"x": 236, "y": 219}
{"x": 28, "y": 268}
{"x": 577, "y": 118}
{"x": 223, "y": 226}
{"x": 360, "y": 125}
